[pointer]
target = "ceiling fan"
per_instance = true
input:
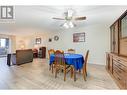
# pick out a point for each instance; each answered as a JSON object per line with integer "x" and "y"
{"x": 69, "y": 18}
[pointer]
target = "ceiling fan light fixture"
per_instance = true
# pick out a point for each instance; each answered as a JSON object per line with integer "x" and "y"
{"x": 68, "y": 25}
{"x": 71, "y": 24}
{"x": 65, "y": 25}
{"x": 69, "y": 18}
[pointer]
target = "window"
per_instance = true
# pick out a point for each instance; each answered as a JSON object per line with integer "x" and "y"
{"x": 4, "y": 42}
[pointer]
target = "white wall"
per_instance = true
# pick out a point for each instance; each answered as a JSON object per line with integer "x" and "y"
{"x": 97, "y": 41}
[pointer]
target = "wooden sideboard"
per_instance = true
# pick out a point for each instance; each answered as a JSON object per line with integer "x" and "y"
{"x": 116, "y": 59}
{"x": 117, "y": 67}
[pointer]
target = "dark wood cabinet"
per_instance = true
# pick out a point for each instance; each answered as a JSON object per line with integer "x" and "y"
{"x": 116, "y": 63}
{"x": 42, "y": 52}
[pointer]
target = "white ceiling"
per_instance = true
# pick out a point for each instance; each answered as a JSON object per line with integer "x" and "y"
{"x": 41, "y": 17}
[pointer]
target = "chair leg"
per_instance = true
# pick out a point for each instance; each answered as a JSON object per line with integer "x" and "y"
{"x": 84, "y": 75}
{"x": 86, "y": 72}
{"x": 80, "y": 71}
{"x": 74, "y": 74}
{"x": 56, "y": 73}
{"x": 71, "y": 72}
{"x": 52, "y": 68}
{"x": 65, "y": 75}
{"x": 49, "y": 67}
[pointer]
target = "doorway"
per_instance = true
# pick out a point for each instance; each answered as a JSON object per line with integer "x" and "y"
{"x": 4, "y": 47}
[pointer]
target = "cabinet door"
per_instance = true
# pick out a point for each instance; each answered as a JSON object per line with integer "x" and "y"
{"x": 43, "y": 52}
{"x": 126, "y": 81}
{"x": 110, "y": 65}
{"x": 107, "y": 61}
{"x": 123, "y": 36}
{"x": 123, "y": 47}
{"x": 116, "y": 29}
{"x": 114, "y": 37}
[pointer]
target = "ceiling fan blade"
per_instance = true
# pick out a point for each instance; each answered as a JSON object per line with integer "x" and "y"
{"x": 58, "y": 18}
{"x": 80, "y": 18}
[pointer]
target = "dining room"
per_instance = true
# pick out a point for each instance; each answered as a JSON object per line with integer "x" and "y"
{"x": 65, "y": 47}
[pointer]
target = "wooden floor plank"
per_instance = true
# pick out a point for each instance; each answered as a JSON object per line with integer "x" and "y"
{"x": 36, "y": 75}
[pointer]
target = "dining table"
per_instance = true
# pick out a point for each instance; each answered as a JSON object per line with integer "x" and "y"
{"x": 76, "y": 60}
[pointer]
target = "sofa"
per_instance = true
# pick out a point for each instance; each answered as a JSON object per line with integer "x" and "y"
{"x": 20, "y": 57}
{"x": 24, "y": 56}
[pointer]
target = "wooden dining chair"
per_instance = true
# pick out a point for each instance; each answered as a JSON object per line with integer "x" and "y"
{"x": 60, "y": 64}
{"x": 61, "y": 51}
{"x": 85, "y": 65}
{"x": 51, "y": 51}
{"x": 71, "y": 51}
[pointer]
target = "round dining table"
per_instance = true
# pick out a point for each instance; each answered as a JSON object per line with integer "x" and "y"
{"x": 76, "y": 60}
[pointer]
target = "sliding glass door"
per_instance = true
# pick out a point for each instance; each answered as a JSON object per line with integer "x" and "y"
{"x": 4, "y": 46}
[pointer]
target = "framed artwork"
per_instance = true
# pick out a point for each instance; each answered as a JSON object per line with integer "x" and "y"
{"x": 79, "y": 37}
{"x": 38, "y": 40}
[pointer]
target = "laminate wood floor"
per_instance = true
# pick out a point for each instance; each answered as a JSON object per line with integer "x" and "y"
{"x": 36, "y": 75}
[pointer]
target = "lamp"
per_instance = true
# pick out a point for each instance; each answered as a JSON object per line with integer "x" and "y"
{"x": 22, "y": 46}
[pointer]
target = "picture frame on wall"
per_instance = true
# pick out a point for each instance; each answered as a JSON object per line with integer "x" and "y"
{"x": 38, "y": 40}
{"x": 79, "y": 37}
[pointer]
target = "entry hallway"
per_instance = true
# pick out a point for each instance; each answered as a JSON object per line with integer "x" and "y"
{"x": 36, "y": 75}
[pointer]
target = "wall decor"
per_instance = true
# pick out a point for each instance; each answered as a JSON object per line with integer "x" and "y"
{"x": 38, "y": 40}
{"x": 50, "y": 40}
{"x": 79, "y": 37}
{"x": 56, "y": 38}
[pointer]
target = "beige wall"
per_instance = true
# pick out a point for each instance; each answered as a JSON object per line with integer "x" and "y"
{"x": 97, "y": 41}
{"x": 27, "y": 41}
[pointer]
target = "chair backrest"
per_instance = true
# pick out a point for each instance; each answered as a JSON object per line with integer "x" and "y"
{"x": 59, "y": 58}
{"x": 86, "y": 59}
{"x": 51, "y": 51}
{"x": 71, "y": 51}
{"x": 61, "y": 51}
